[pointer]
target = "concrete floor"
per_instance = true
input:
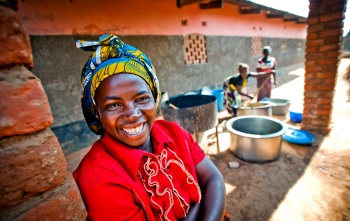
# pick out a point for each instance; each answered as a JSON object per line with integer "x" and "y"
{"x": 269, "y": 190}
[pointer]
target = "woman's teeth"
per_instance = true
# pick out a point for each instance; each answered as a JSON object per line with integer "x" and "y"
{"x": 133, "y": 131}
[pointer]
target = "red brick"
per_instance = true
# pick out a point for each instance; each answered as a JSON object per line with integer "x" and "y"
{"x": 312, "y": 21}
{"x": 309, "y": 75}
{"x": 334, "y": 39}
{"x": 326, "y": 75}
{"x": 330, "y": 68}
{"x": 330, "y": 81}
{"x": 308, "y": 100}
{"x": 333, "y": 54}
{"x": 328, "y": 61}
{"x": 308, "y": 87}
{"x": 311, "y": 49}
{"x": 313, "y": 43}
{"x": 330, "y": 47}
{"x": 332, "y": 17}
{"x": 322, "y": 112}
{"x": 338, "y": 7}
{"x": 313, "y": 81}
{"x": 332, "y": 32}
{"x": 337, "y": 24}
{"x": 319, "y": 123}
{"x": 312, "y": 36}
{"x": 311, "y": 106}
{"x": 30, "y": 164}
{"x": 333, "y": 2}
{"x": 61, "y": 203}
{"x": 328, "y": 94}
{"x": 323, "y": 100}
{"x": 310, "y": 63}
{"x": 314, "y": 13}
{"x": 322, "y": 129}
{"x": 14, "y": 40}
{"x": 26, "y": 108}
{"x": 326, "y": 106}
{"x": 312, "y": 56}
{"x": 315, "y": 28}
{"x": 313, "y": 94}
{"x": 324, "y": 87}
{"x": 313, "y": 69}
{"x": 315, "y": 5}
{"x": 309, "y": 116}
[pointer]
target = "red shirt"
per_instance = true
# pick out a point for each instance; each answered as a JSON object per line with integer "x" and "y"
{"x": 122, "y": 183}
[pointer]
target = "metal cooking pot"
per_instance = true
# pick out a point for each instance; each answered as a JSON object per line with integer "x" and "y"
{"x": 279, "y": 106}
{"x": 264, "y": 109}
{"x": 256, "y": 138}
{"x": 194, "y": 113}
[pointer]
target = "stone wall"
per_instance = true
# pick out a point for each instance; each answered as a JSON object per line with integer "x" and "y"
{"x": 324, "y": 40}
{"x": 35, "y": 183}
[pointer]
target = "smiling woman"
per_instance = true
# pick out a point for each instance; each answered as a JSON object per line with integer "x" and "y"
{"x": 140, "y": 169}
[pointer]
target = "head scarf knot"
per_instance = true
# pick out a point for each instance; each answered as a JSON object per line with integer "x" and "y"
{"x": 111, "y": 56}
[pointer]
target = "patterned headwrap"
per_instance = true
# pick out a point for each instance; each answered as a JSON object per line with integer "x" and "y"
{"x": 111, "y": 56}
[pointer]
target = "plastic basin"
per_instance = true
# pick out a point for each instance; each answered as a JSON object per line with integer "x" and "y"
{"x": 295, "y": 116}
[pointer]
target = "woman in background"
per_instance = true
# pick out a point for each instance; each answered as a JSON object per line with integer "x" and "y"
{"x": 234, "y": 84}
{"x": 266, "y": 64}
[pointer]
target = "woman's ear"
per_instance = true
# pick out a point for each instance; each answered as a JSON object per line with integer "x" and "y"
{"x": 97, "y": 114}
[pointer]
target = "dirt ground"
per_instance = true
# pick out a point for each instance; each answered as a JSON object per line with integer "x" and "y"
{"x": 254, "y": 190}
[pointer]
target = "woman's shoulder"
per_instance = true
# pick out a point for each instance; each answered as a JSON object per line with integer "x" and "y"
{"x": 166, "y": 125}
{"x": 97, "y": 158}
{"x": 170, "y": 131}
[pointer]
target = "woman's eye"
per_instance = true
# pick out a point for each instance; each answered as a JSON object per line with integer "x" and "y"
{"x": 142, "y": 99}
{"x": 112, "y": 106}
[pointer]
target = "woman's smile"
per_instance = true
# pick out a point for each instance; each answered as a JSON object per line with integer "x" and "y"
{"x": 134, "y": 131}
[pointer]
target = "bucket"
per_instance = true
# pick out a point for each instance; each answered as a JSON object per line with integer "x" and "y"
{"x": 219, "y": 95}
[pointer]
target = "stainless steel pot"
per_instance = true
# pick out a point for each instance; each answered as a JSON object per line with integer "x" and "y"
{"x": 279, "y": 106}
{"x": 256, "y": 138}
{"x": 263, "y": 110}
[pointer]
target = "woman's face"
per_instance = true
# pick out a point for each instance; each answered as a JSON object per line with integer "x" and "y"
{"x": 243, "y": 72}
{"x": 266, "y": 53}
{"x": 126, "y": 108}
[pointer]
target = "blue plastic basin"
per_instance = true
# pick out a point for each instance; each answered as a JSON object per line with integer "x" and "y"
{"x": 295, "y": 116}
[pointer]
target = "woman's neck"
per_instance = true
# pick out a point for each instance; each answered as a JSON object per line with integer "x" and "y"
{"x": 147, "y": 146}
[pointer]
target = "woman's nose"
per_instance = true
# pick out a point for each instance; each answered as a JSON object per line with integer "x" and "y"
{"x": 132, "y": 111}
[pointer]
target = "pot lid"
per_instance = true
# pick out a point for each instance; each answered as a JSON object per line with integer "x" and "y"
{"x": 301, "y": 137}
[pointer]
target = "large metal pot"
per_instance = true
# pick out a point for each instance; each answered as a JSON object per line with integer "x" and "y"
{"x": 194, "y": 113}
{"x": 256, "y": 138}
{"x": 259, "y": 109}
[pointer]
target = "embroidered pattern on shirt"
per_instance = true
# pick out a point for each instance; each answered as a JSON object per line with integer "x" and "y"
{"x": 170, "y": 186}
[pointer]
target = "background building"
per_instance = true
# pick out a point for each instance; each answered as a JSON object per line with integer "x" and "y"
{"x": 191, "y": 46}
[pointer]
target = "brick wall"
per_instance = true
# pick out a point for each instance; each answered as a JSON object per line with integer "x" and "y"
{"x": 35, "y": 184}
{"x": 324, "y": 40}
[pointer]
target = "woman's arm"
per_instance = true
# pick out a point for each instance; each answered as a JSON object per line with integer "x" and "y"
{"x": 260, "y": 74}
{"x": 212, "y": 205}
{"x": 239, "y": 90}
